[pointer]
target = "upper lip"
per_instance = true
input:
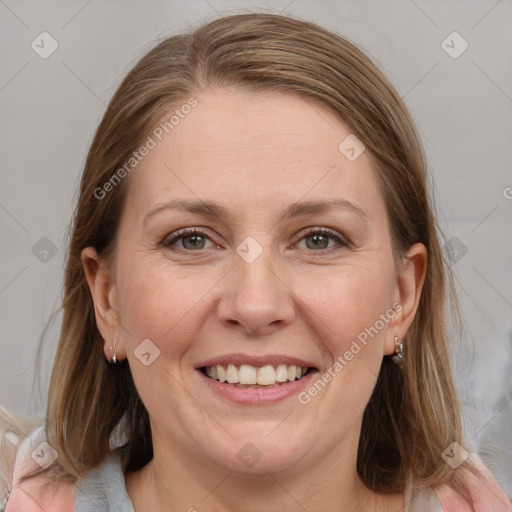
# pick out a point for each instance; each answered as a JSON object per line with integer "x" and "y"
{"x": 256, "y": 360}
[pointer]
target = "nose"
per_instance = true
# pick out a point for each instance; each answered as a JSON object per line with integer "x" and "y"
{"x": 256, "y": 299}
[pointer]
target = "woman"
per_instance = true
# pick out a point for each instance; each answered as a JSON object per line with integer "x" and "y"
{"x": 254, "y": 294}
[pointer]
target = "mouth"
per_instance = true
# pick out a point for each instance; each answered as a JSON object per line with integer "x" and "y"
{"x": 255, "y": 377}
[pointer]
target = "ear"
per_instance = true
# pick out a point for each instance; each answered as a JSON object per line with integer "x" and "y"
{"x": 410, "y": 280}
{"x": 104, "y": 295}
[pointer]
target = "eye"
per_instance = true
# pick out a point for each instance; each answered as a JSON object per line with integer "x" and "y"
{"x": 189, "y": 239}
{"x": 319, "y": 238}
{"x": 316, "y": 239}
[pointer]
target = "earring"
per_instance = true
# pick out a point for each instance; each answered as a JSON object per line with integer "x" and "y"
{"x": 113, "y": 359}
{"x": 398, "y": 356}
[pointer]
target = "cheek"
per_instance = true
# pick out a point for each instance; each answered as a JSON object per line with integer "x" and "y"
{"x": 349, "y": 327}
{"x": 160, "y": 303}
{"x": 349, "y": 302}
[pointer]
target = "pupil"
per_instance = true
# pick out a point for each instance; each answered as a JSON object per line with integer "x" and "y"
{"x": 319, "y": 240}
{"x": 195, "y": 239}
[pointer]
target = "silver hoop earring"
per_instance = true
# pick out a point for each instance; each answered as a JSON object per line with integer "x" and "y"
{"x": 398, "y": 356}
{"x": 113, "y": 359}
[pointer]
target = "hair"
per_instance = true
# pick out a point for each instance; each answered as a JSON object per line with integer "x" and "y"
{"x": 414, "y": 414}
{"x": 12, "y": 430}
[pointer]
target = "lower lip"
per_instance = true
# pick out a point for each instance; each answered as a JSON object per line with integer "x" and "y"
{"x": 254, "y": 396}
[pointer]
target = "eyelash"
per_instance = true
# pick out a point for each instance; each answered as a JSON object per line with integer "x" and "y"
{"x": 167, "y": 241}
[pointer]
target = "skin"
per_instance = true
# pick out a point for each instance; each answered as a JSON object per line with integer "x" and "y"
{"x": 253, "y": 153}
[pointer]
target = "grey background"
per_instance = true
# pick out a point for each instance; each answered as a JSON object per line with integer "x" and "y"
{"x": 49, "y": 109}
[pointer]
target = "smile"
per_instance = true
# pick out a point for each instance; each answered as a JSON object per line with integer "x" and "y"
{"x": 248, "y": 376}
{"x": 256, "y": 379}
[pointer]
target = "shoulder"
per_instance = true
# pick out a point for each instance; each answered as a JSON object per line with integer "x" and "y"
{"x": 104, "y": 487}
{"x": 101, "y": 488}
{"x": 37, "y": 494}
{"x": 485, "y": 492}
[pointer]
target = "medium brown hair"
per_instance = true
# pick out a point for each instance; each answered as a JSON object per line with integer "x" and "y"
{"x": 414, "y": 414}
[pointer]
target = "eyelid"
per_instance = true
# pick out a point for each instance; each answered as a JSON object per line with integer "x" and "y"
{"x": 344, "y": 240}
{"x": 341, "y": 239}
{"x": 171, "y": 238}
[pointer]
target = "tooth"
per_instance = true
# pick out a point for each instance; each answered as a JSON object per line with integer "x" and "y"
{"x": 266, "y": 375}
{"x": 232, "y": 374}
{"x": 292, "y": 373}
{"x": 247, "y": 374}
{"x": 221, "y": 373}
{"x": 251, "y": 376}
{"x": 281, "y": 373}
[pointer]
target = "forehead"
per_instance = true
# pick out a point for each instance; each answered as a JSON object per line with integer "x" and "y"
{"x": 254, "y": 150}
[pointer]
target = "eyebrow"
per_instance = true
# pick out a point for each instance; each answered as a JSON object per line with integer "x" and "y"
{"x": 214, "y": 210}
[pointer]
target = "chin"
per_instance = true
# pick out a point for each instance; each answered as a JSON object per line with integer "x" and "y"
{"x": 259, "y": 453}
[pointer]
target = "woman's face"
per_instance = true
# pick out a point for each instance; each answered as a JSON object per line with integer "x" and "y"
{"x": 254, "y": 293}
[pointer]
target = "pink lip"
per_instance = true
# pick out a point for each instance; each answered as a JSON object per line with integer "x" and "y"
{"x": 257, "y": 361}
{"x": 252, "y": 396}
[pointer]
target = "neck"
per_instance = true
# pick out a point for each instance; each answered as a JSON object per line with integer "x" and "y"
{"x": 191, "y": 485}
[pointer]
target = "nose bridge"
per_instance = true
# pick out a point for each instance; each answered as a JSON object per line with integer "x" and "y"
{"x": 255, "y": 296}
